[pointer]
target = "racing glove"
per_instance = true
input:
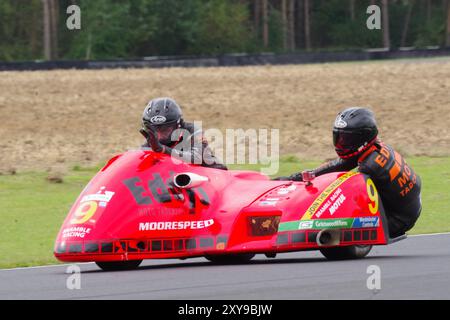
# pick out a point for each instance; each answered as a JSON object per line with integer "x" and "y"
{"x": 152, "y": 139}
{"x": 296, "y": 177}
{"x": 155, "y": 145}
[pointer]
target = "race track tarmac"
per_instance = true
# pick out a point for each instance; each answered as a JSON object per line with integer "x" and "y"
{"x": 415, "y": 268}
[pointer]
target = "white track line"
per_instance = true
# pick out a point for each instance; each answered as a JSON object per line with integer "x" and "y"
{"x": 46, "y": 266}
{"x": 428, "y": 234}
{"x": 69, "y": 264}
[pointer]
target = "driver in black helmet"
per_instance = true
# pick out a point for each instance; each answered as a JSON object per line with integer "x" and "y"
{"x": 167, "y": 132}
{"x": 355, "y": 137}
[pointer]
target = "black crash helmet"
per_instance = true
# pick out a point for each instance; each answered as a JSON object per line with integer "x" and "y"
{"x": 164, "y": 116}
{"x": 355, "y": 129}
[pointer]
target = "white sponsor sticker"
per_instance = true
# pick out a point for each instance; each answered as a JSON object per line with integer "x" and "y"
{"x": 75, "y": 232}
{"x": 329, "y": 202}
{"x": 339, "y": 123}
{"x": 286, "y": 190}
{"x": 339, "y": 201}
{"x": 103, "y": 196}
{"x": 268, "y": 203}
{"x": 305, "y": 225}
{"x": 322, "y": 210}
{"x": 175, "y": 225}
{"x": 158, "y": 119}
{"x": 106, "y": 197}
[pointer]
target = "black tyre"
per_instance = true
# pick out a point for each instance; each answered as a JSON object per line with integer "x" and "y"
{"x": 346, "y": 253}
{"x": 119, "y": 265}
{"x": 231, "y": 258}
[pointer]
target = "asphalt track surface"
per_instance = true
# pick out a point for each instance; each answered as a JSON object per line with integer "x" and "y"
{"x": 415, "y": 268}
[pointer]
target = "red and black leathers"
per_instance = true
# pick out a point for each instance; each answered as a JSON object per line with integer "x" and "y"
{"x": 399, "y": 186}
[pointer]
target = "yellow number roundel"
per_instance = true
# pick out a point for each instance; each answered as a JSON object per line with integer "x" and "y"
{"x": 373, "y": 196}
{"x": 84, "y": 212}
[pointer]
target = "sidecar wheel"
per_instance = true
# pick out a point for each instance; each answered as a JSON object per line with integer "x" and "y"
{"x": 118, "y": 265}
{"x": 230, "y": 258}
{"x": 346, "y": 253}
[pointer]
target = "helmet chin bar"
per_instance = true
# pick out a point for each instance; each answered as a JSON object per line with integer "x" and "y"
{"x": 167, "y": 141}
{"x": 353, "y": 153}
{"x": 165, "y": 132}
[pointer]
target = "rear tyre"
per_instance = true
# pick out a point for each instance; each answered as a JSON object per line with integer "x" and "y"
{"x": 118, "y": 265}
{"x": 230, "y": 258}
{"x": 346, "y": 253}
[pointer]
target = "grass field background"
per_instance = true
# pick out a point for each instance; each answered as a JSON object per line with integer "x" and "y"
{"x": 53, "y": 120}
{"x": 33, "y": 209}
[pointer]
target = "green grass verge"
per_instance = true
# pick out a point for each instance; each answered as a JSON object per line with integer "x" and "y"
{"x": 32, "y": 209}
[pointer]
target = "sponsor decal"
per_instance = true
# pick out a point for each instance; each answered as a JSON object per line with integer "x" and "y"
{"x": 89, "y": 205}
{"x": 288, "y": 226}
{"x": 102, "y": 196}
{"x": 84, "y": 212}
{"x": 268, "y": 203}
{"x": 75, "y": 232}
{"x": 339, "y": 123}
{"x": 366, "y": 222}
{"x": 336, "y": 194}
{"x": 158, "y": 119}
{"x": 159, "y": 211}
{"x": 323, "y": 209}
{"x": 372, "y": 193}
{"x": 333, "y": 223}
{"x": 175, "y": 225}
{"x": 344, "y": 223}
{"x": 339, "y": 201}
{"x": 286, "y": 190}
{"x": 306, "y": 224}
{"x": 325, "y": 194}
{"x": 156, "y": 189}
{"x": 327, "y": 204}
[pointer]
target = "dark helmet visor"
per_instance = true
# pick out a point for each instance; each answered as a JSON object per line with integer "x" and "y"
{"x": 348, "y": 140}
{"x": 163, "y": 131}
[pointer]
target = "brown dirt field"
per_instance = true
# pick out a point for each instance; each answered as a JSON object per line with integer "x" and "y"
{"x": 51, "y": 120}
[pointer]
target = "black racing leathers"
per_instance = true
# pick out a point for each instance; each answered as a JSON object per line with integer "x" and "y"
{"x": 399, "y": 186}
{"x": 192, "y": 147}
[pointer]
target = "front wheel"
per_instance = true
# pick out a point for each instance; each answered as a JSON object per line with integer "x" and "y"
{"x": 230, "y": 258}
{"x": 346, "y": 253}
{"x": 118, "y": 265}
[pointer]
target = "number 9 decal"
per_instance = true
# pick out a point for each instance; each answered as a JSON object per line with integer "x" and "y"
{"x": 373, "y": 196}
{"x": 84, "y": 212}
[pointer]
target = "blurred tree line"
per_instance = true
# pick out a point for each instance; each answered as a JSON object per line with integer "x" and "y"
{"x": 36, "y": 29}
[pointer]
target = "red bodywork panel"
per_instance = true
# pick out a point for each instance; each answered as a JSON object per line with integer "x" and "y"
{"x": 131, "y": 211}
